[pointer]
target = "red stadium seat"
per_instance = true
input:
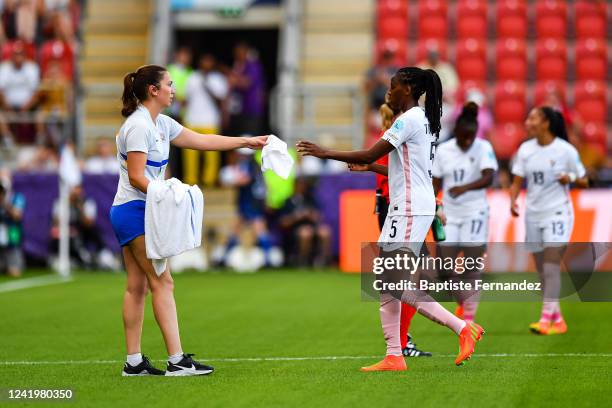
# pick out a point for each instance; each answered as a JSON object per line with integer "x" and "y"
{"x": 591, "y": 59}
{"x": 468, "y": 85}
{"x": 594, "y": 133}
{"x": 9, "y": 46}
{"x": 507, "y": 138}
{"x": 510, "y": 102}
{"x": 393, "y": 27}
{"x": 511, "y": 19}
{"x": 590, "y": 19}
{"x": 544, "y": 88}
{"x": 433, "y": 27}
{"x": 590, "y": 101}
{"x": 511, "y": 59}
{"x": 551, "y": 19}
{"x": 431, "y": 43}
{"x": 472, "y": 19}
{"x": 433, "y": 19}
{"x": 472, "y": 59}
{"x": 551, "y": 60}
{"x": 398, "y": 47}
{"x": 433, "y": 7}
{"x": 392, "y": 8}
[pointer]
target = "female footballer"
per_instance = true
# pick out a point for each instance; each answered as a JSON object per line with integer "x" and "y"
{"x": 410, "y": 143}
{"x": 464, "y": 167}
{"x": 548, "y": 163}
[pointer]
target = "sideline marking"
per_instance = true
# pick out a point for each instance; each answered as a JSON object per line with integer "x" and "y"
{"x": 33, "y": 282}
{"x": 329, "y": 358}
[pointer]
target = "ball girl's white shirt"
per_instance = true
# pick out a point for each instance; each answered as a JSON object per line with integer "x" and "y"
{"x": 140, "y": 134}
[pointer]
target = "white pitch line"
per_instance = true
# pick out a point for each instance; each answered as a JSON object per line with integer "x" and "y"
{"x": 326, "y": 358}
{"x": 44, "y": 280}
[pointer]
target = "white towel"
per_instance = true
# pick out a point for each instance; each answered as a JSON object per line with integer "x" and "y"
{"x": 275, "y": 157}
{"x": 173, "y": 220}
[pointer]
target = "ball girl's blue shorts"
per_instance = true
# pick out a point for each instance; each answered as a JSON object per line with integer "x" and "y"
{"x": 128, "y": 220}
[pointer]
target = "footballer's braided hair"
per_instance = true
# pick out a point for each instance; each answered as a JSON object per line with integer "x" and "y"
{"x": 425, "y": 81}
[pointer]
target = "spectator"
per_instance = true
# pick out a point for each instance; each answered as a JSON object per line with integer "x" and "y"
{"x": 20, "y": 19}
{"x": 205, "y": 94}
{"x": 60, "y": 52}
{"x": 85, "y": 240}
{"x": 38, "y": 158}
{"x": 18, "y": 86}
{"x": 58, "y": 21}
{"x": 55, "y": 101}
{"x": 307, "y": 238}
{"x": 446, "y": 72}
{"x": 105, "y": 160}
{"x": 244, "y": 173}
{"x": 378, "y": 79}
{"x": 11, "y": 212}
{"x": 247, "y": 100}
{"x": 179, "y": 70}
{"x": 27, "y": 20}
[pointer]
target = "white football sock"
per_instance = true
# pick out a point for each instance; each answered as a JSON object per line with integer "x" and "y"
{"x": 175, "y": 358}
{"x": 134, "y": 359}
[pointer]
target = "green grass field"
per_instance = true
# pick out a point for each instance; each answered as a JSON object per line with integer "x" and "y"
{"x": 272, "y": 337}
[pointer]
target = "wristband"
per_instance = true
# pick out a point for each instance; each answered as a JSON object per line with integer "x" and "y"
{"x": 572, "y": 177}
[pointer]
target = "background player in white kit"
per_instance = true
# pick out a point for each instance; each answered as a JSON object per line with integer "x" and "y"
{"x": 549, "y": 164}
{"x": 464, "y": 167}
{"x": 410, "y": 143}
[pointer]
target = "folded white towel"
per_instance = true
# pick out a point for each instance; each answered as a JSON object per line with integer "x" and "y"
{"x": 173, "y": 220}
{"x": 275, "y": 157}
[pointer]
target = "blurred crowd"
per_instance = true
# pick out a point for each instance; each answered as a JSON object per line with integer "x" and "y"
{"x": 38, "y": 44}
{"x": 279, "y": 221}
{"x": 457, "y": 94}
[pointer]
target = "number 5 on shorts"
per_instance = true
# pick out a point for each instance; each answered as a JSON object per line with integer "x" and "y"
{"x": 393, "y": 229}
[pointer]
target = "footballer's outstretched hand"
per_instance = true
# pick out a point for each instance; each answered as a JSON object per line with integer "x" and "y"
{"x": 306, "y": 148}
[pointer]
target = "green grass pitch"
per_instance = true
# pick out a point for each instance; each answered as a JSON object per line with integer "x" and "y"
{"x": 234, "y": 322}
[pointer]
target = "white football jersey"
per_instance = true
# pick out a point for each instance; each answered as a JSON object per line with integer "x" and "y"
{"x": 456, "y": 168}
{"x": 541, "y": 166}
{"x": 410, "y": 187}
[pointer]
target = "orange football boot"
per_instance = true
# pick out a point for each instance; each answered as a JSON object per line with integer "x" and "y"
{"x": 540, "y": 327}
{"x": 468, "y": 337}
{"x": 389, "y": 363}
{"x": 559, "y": 327}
